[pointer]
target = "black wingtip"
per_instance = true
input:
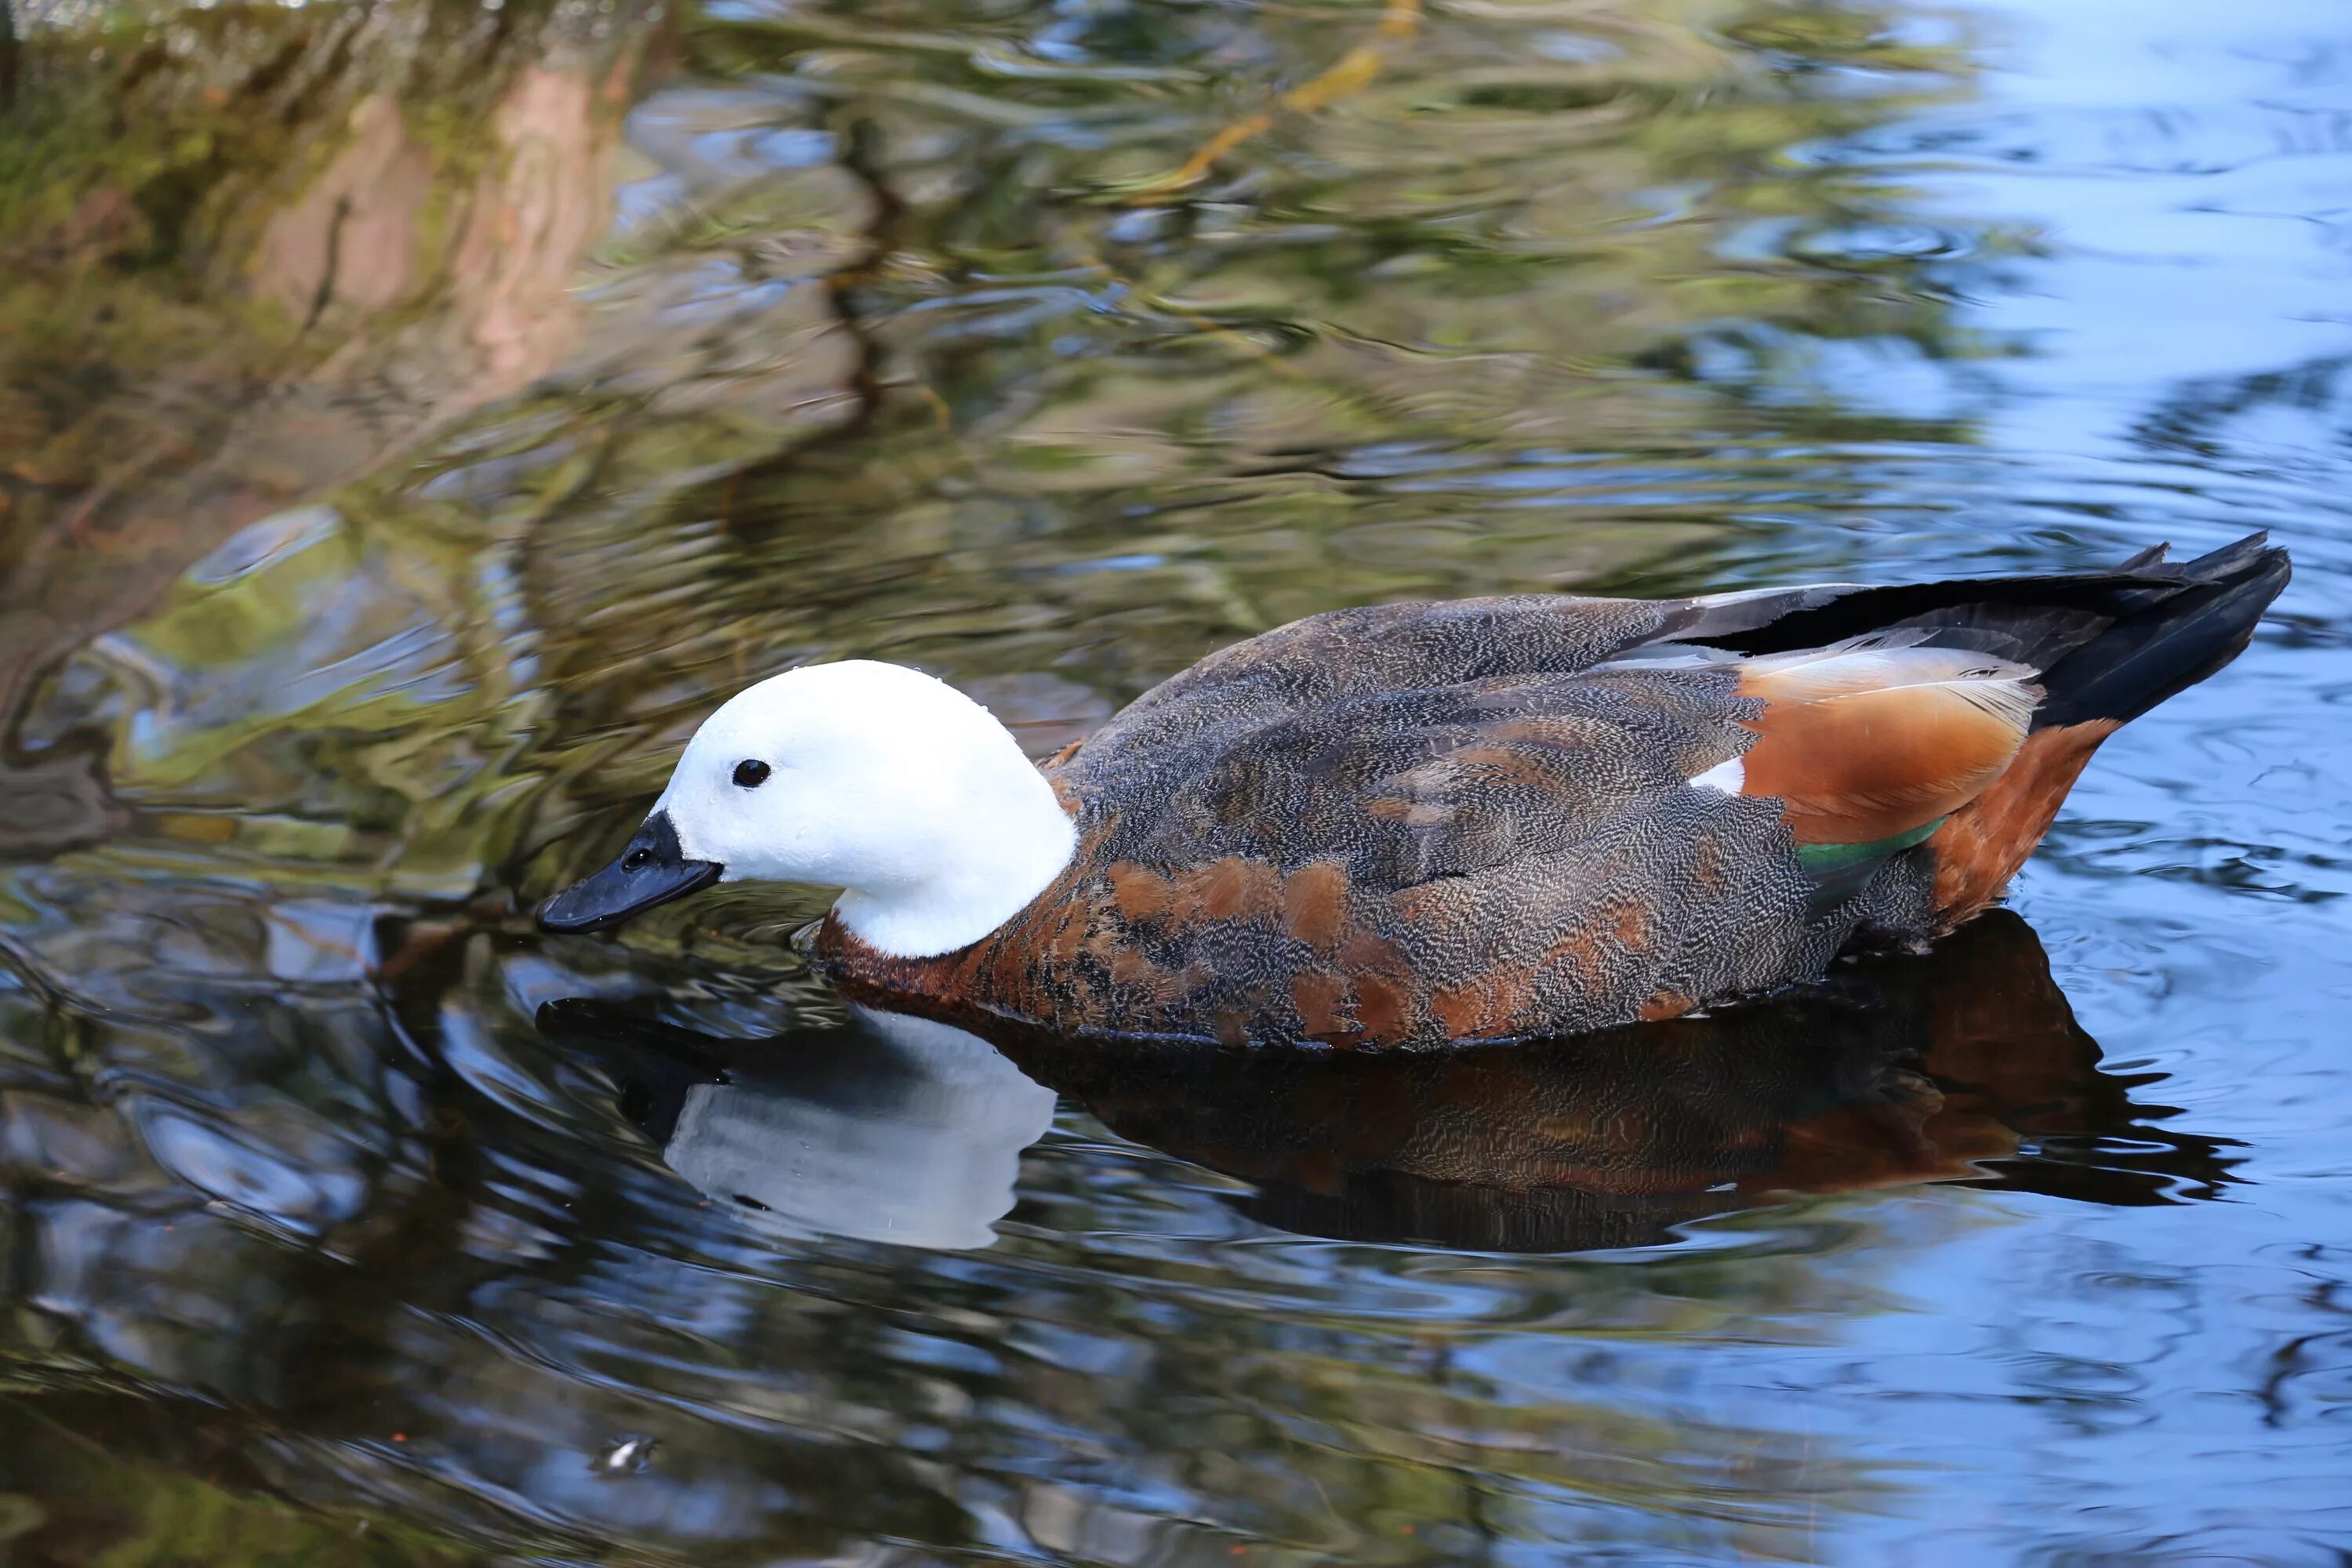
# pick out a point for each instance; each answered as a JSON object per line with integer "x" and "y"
{"x": 2234, "y": 557}
{"x": 2166, "y": 647}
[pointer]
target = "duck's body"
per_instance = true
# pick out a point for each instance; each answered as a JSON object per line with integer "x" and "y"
{"x": 1538, "y": 814}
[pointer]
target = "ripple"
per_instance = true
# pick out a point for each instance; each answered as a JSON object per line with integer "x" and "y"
{"x": 412, "y": 430}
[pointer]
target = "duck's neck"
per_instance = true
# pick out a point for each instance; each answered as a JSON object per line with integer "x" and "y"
{"x": 1010, "y": 839}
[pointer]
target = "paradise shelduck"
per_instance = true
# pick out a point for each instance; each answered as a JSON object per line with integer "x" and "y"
{"x": 1412, "y": 823}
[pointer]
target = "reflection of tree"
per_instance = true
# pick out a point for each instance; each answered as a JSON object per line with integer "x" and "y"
{"x": 252, "y": 253}
{"x": 1502, "y": 318}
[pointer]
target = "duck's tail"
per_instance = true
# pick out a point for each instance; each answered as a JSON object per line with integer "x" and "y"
{"x": 2196, "y": 619}
{"x": 2177, "y": 624}
{"x": 2107, "y": 644}
{"x": 2098, "y": 649}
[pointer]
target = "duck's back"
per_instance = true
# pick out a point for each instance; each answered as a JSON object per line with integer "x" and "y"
{"x": 1415, "y": 823}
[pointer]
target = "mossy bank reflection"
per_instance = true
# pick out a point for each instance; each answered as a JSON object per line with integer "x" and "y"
{"x": 1965, "y": 1063}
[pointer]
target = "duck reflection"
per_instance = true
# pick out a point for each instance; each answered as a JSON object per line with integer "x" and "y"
{"x": 895, "y": 1129}
{"x": 1964, "y": 1065}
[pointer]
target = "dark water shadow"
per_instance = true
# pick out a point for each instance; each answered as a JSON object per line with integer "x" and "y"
{"x": 1962, "y": 1065}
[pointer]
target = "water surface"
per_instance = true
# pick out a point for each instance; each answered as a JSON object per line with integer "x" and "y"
{"x": 415, "y": 418}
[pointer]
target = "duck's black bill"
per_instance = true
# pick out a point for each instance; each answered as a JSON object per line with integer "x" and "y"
{"x": 651, "y": 870}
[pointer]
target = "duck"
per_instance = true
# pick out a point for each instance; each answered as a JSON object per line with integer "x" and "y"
{"x": 1416, "y": 825}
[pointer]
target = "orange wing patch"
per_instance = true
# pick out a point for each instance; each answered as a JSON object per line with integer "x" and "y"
{"x": 1866, "y": 741}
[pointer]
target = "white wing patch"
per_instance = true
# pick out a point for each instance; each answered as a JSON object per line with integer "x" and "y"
{"x": 1742, "y": 596}
{"x": 1730, "y": 776}
{"x": 1882, "y": 661}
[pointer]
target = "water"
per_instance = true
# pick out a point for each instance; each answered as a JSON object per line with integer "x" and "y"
{"x": 412, "y": 420}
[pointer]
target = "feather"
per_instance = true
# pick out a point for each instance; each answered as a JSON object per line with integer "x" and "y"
{"x": 1670, "y": 656}
{"x": 1872, "y": 737}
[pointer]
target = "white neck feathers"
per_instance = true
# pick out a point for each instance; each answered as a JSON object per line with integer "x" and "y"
{"x": 880, "y": 781}
{"x": 1007, "y": 852}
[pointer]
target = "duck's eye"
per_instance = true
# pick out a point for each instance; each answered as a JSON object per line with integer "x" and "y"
{"x": 751, "y": 773}
{"x": 634, "y": 859}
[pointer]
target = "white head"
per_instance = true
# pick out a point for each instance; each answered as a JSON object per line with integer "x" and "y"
{"x": 876, "y": 779}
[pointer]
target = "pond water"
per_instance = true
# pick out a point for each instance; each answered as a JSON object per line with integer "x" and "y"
{"x": 414, "y": 418}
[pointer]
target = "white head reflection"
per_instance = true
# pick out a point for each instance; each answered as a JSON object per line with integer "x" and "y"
{"x": 911, "y": 1132}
